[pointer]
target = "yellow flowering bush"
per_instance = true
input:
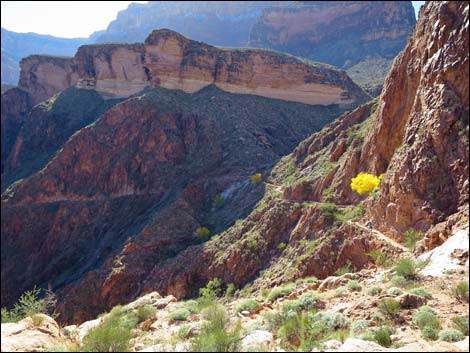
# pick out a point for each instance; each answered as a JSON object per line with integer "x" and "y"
{"x": 365, "y": 182}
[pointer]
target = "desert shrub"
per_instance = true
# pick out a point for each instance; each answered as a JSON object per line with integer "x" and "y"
{"x": 430, "y": 333}
{"x": 382, "y": 336}
{"x": 180, "y": 314}
{"x": 380, "y": 258}
{"x": 281, "y": 291}
{"x": 329, "y": 210}
{"x": 411, "y": 238}
{"x": 406, "y": 268}
{"x": 332, "y": 321}
{"x": 422, "y": 292}
{"x": 348, "y": 268}
{"x": 145, "y": 312}
{"x": 340, "y": 292}
{"x": 230, "y": 290}
{"x": 215, "y": 335}
{"x": 389, "y": 307}
{"x": 394, "y": 291}
{"x": 460, "y": 291}
{"x": 300, "y": 332}
{"x": 209, "y": 293}
{"x": 377, "y": 317}
{"x": 426, "y": 317}
{"x": 399, "y": 281}
{"x": 203, "y": 232}
{"x": 451, "y": 335}
{"x": 183, "y": 331}
{"x": 461, "y": 323}
{"x": 247, "y": 305}
{"x": 357, "y": 327}
{"x": 374, "y": 290}
{"x": 281, "y": 246}
{"x": 308, "y": 300}
{"x": 112, "y": 335}
{"x": 367, "y": 335}
{"x": 37, "y": 319}
{"x": 365, "y": 183}
{"x": 256, "y": 178}
{"x": 29, "y": 304}
{"x": 354, "y": 286}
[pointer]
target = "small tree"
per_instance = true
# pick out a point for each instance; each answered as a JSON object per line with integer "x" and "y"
{"x": 364, "y": 182}
{"x": 256, "y": 178}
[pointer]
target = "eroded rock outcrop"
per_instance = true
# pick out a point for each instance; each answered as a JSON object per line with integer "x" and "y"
{"x": 170, "y": 60}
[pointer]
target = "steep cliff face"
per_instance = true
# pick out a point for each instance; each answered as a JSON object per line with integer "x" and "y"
{"x": 213, "y": 22}
{"x": 341, "y": 33}
{"x": 167, "y": 59}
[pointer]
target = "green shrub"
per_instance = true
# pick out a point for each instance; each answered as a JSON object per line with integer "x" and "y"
{"x": 380, "y": 258}
{"x": 354, "y": 286}
{"x": 281, "y": 291}
{"x": 299, "y": 332}
{"x": 215, "y": 335}
{"x": 340, "y": 292}
{"x": 382, "y": 336}
{"x": 209, "y": 293}
{"x": 230, "y": 291}
{"x": 359, "y": 326}
{"x": 145, "y": 312}
{"x": 29, "y": 304}
{"x": 348, "y": 268}
{"x": 281, "y": 246}
{"x": 180, "y": 314}
{"x": 329, "y": 210}
{"x": 426, "y": 317}
{"x": 332, "y": 321}
{"x": 247, "y": 305}
{"x": 374, "y": 290}
{"x": 306, "y": 301}
{"x": 112, "y": 335}
{"x": 460, "y": 291}
{"x": 451, "y": 335}
{"x": 203, "y": 232}
{"x": 411, "y": 238}
{"x": 406, "y": 268}
{"x": 394, "y": 291}
{"x": 430, "y": 333}
{"x": 389, "y": 307}
{"x": 422, "y": 292}
{"x": 399, "y": 281}
{"x": 183, "y": 331}
{"x": 461, "y": 323}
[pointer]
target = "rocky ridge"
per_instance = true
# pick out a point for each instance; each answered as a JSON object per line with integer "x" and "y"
{"x": 170, "y": 60}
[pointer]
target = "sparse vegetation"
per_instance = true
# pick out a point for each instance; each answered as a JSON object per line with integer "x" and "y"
{"x": 230, "y": 291}
{"x": 256, "y": 178}
{"x": 348, "y": 268}
{"x": 399, "y": 281}
{"x": 412, "y": 236}
{"x": 354, "y": 286}
{"x": 281, "y": 291}
{"x": 340, "y": 292}
{"x": 203, "y": 232}
{"x": 461, "y": 323}
{"x": 38, "y": 319}
{"x": 426, "y": 317}
{"x": 389, "y": 307}
{"x": 145, "y": 312}
{"x": 382, "y": 336}
{"x": 422, "y": 292}
{"x": 180, "y": 314}
{"x": 29, "y": 304}
{"x": 112, "y": 335}
{"x": 247, "y": 305}
{"x": 374, "y": 290}
{"x": 394, "y": 291}
{"x": 307, "y": 301}
{"x": 380, "y": 258}
{"x": 451, "y": 335}
{"x": 406, "y": 268}
{"x": 358, "y": 327}
{"x": 460, "y": 291}
{"x": 215, "y": 335}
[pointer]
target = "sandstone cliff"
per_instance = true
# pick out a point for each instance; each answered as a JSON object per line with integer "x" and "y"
{"x": 169, "y": 60}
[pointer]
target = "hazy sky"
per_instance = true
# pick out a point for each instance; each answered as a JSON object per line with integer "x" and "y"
{"x": 67, "y": 19}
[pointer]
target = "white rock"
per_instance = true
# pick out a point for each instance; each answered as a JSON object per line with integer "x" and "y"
{"x": 331, "y": 345}
{"x": 440, "y": 257}
{"x": 257, "y": 338}
{"x": 463, "y": 345}
{"x": 179, "y": 347}
{"x": 357, "y": 345}
{"x": 87, "y": 326}
{"x": 147, "y": 299}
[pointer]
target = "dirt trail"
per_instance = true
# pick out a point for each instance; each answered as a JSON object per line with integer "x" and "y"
{"x": 380, "y": 235}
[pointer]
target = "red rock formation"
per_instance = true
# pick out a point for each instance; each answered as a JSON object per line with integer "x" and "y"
{"x": 167, "y": 59}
